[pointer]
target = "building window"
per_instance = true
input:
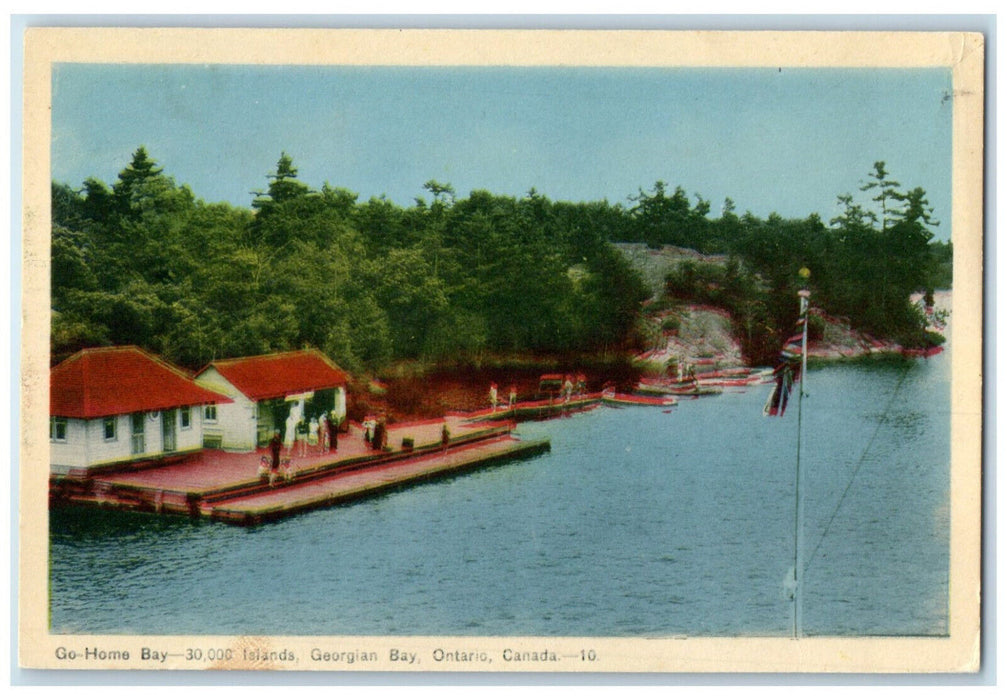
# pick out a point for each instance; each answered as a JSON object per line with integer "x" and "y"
{"x": 185, "y": 417}
{"x": 210, "y": 413}
{"x": 57, "y": 429}
{"x": 108, "y": 428}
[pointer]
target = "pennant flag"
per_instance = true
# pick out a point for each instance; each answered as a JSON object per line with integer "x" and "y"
{"x": 788, "y": 369}
{"x": 776, "y": 404}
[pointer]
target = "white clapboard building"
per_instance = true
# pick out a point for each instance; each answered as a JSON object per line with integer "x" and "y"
{"x": 116, "y": 406}
{"x": 265, "y": 391}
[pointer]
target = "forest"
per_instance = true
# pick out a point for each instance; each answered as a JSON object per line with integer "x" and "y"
{"x": 452, "y": 279}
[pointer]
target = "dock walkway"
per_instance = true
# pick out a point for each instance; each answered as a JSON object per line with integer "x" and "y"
{"x": 226, "y": 486}
{"x": 367, "y": 480}
{"x": 539, "y": 409}
{"x": 542, "y": 409}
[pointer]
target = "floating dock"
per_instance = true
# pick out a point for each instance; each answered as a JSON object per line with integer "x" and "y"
{"x": 539, "y": 409}
{"x": 551, "y": 408}
{"x": 226, "y": 487}
{"x": 367, "y": 481}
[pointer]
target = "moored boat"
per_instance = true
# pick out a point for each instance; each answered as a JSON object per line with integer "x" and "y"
{"x": 620, "y": 399}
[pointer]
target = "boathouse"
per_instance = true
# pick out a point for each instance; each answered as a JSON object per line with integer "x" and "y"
{"x": 113, "y": 406}
{"x": 265, "y": 391}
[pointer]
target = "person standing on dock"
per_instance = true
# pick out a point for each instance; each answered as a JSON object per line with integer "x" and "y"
{"x": 302, "y": 438}
{"x": 313, "y": 433}
{"x": 274, "y": 450}
{"x": 378, "y": 442}
{"x": 493, "y": 396}
{"x": 445, "y": 437}
{"x": 511, "y": 396}
{"x": 288, "y": 435}
{"x": 333, "y": 432}
{"x": 323, "y": 433}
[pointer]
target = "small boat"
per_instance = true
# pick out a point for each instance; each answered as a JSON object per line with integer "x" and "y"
{"x": 620, "y": 399}
{"x": 922, "y": 352}
{"x": 689, "y": 388}
{"x": 694, "y": 390}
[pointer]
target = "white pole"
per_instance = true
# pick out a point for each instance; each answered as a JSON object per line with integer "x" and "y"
{"x": 804, "y": 294}
{"x": 798, "y": 495}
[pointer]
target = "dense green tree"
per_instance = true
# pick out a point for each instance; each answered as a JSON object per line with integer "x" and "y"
{"x": 457, "y": 278}
{"x": 659, "y": 218}
{"x": 413, "y": 298}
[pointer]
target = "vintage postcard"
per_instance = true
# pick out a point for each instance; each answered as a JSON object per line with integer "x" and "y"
{"x": 452, "y": 350}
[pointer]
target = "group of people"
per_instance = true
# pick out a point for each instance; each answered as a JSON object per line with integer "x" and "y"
{"x": 375, "y": 432}
{"x": 686, "y": 372}
{"x": 494, "y": 397}
{"x": 573, "y": 384}
{"x": 276, "y": 468}
{"x": 321, "y": 434}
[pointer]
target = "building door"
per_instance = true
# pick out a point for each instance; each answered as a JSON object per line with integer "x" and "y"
{"x": 168, "y": 429}
{"x": 136, "y": 441}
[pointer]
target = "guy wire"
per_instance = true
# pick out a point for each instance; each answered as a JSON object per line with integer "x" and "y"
{"x": 860, "y": 463}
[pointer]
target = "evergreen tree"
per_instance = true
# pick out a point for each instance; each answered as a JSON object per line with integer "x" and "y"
{"x": 130, "y": 188}
{"x": 885, "y": 193}
{"x": 283, "y": 186}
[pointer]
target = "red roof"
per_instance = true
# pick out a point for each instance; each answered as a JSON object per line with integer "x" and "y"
{"x": 280, "y": 374}
{"x": 99, "y": 382}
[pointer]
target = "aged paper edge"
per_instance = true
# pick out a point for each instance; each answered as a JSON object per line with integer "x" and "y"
{"x": 962, "y": 52}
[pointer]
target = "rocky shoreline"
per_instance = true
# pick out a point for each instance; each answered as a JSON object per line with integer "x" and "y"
{"x": 699, "y": 343}
{"x": 702, "y": 340}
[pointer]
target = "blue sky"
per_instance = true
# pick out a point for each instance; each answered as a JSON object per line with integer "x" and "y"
{"x": 786, "y": 141}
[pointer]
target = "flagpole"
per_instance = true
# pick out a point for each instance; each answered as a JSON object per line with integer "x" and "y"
{"x": 804, "y": 295}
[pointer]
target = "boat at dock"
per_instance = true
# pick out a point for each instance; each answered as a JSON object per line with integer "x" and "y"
{"x": 621, "y": 399}
{"x": 539, "y": 409}
{"x": 673, "y": 390}
{"x": 705, "y": 383}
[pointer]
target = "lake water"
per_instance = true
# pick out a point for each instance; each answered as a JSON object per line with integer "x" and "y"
{"x": 640, "y": 521}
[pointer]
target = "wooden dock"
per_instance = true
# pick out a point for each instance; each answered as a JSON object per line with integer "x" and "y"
{"x": 543, "y": 409}
{"x": 226, "y": 487}
{"x": 540, "y": 409}
{"x": 366, "y": 481}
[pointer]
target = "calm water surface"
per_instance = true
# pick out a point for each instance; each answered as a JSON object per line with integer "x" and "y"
{"x": 640, "y": 521}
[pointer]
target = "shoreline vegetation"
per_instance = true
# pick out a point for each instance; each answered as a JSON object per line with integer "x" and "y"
{"x": 428, "y": 304}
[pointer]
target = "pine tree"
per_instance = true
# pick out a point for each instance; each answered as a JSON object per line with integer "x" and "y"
{"x": 885, "y": 193}
{"x": 283, "y": 187}
{"x": 130, "y": 187}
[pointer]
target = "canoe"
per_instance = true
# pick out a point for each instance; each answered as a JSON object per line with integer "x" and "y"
{"x": 619, "y": 399}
